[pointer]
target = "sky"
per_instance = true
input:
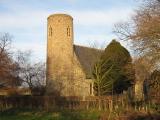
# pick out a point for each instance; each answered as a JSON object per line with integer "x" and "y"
{"x": 26, "y": 21}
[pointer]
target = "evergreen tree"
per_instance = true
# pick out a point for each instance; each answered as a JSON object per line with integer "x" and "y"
{"x": 122, "y": 72}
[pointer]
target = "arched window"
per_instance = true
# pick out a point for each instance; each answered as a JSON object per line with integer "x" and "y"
{"x": 50, "y": 31}
{"x": 91, "y": 88}
{"x": 68, "y": 31}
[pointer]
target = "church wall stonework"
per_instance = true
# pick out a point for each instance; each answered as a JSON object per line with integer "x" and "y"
{"x": 81, "y": 84}
{"x": 64, "y": 73}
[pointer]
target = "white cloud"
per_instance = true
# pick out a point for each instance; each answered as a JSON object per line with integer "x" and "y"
{"x": 39, "y": 50}
{"x": 33, "y": 20}
{"x": 101, "y": 18}
{"x": 71, "y": 1}
{"x": 100, "y": 40}
{"x": 24, "y": 19}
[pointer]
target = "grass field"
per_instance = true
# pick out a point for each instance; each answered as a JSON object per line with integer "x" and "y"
{"x": 27, "y": 114}
{"x": 54, "y": 115}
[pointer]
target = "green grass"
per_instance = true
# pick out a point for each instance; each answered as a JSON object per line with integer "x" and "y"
{"x": 22, "y": 114}
{"x": 28, "y": 114}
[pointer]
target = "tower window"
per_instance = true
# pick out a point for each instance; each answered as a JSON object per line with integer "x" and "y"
{"x": 91, "y": 86}
{"x": 50, "y": 31}
{"x": 68, "y": 31}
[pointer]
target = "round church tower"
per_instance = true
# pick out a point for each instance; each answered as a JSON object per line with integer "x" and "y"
{"x": 59, "y": 53}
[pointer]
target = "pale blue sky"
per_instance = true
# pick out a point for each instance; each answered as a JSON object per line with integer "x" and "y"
{"x": 93, "y": 20}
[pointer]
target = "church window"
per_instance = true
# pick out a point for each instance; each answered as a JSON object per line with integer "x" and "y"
{"x": 50, "y": 31}
{"x": 68, "y": 31}
{"x": 91, "y": 89}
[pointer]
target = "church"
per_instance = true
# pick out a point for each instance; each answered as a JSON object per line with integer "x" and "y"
{"x": 69, "y": 66}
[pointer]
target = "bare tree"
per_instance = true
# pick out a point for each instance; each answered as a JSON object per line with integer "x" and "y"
{"x": 154, "y": 85}
{"x": 8, "y": 68}
{"x": 143, "y": 69}
{"x": 32, "y": 74}
{"x": 101, "y": 85}
{"x": 5, "y": 43}
{"x": 143, "y": 30}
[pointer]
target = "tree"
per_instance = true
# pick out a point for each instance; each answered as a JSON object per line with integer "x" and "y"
{"x": 120, "y": 61}
{"x": 102, "y": 80}
{"x": 143, "y": 30}
{"x": 143, "y": 69}
{"x": 32, "y": 74}
{"x": 8, "y": 68}
{"x": 154, "y": 84}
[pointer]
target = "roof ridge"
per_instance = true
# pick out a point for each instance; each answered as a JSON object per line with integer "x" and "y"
{"x": 88, "y": 47}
